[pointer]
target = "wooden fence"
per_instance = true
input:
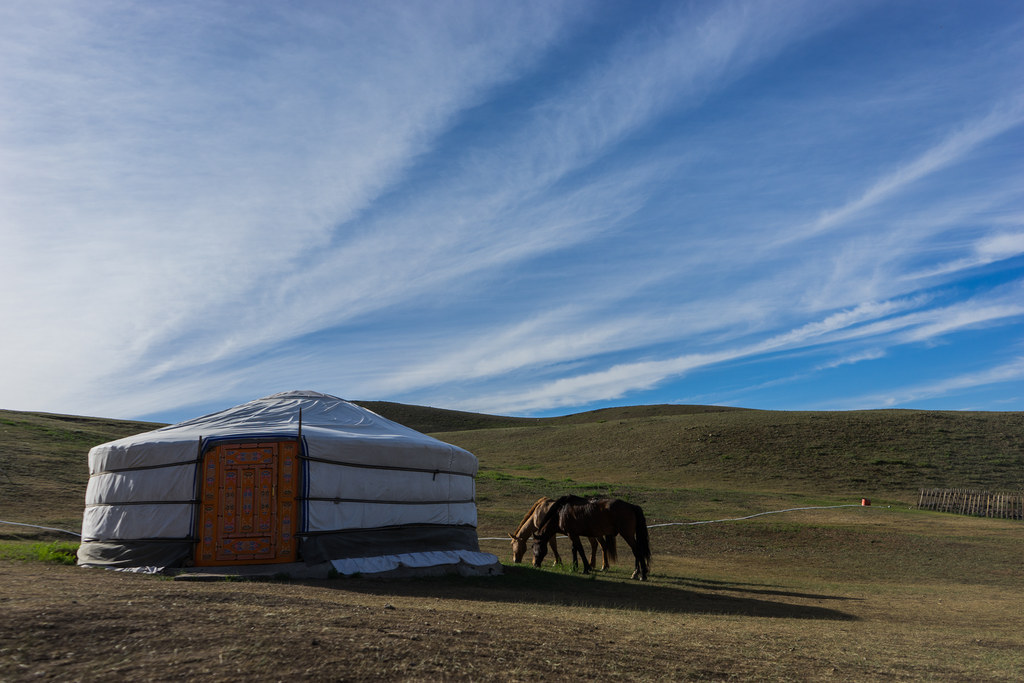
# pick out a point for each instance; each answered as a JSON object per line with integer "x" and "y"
{"x": 973, "y": 502}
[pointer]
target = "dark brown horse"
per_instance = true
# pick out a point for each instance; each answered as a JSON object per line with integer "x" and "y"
{"x": 529, "y": 525}
{"x": 604, "y": 518}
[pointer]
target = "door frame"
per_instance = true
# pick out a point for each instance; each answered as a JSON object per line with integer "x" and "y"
{"x": 271, "y": 501}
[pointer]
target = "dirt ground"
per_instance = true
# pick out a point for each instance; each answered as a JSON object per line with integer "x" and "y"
{"x": 72, "y": 624}
{"x": 68, "y": 623}
{"x": 861, "y": 595}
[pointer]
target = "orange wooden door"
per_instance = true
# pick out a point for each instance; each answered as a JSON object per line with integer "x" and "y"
{"x": 247, "y": 512}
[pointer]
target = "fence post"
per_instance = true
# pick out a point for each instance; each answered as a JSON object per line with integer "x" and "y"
{"x": 973, "y": 502}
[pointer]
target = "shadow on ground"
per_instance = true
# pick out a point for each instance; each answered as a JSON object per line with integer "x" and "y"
{"x": 522, "y": 584}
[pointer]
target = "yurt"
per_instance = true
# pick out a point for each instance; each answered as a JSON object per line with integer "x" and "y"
{"x": 298, "y": 479}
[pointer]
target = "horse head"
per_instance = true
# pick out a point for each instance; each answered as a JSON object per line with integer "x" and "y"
{"x": 518, "y": 548}
{"x": 548, "y": 527}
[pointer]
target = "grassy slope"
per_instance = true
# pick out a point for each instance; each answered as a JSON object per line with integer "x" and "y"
{"x": 889, "y": 452}
{"x": 679, "y": 461}
{"x": 43, "y": 467}
{"x": 431, "y": 420}
{"x": 864, "y": 593}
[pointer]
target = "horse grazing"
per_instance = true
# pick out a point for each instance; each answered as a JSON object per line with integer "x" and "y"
{"x": 529, "y": 525}
{"x": 604, "y": 518}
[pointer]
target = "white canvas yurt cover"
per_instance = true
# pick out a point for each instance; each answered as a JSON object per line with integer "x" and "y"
{"x": 295, "y": 477}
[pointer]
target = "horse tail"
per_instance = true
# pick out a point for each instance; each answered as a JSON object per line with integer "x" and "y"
{"x": 643, "y": 542}
{"x": 609, "y": 545}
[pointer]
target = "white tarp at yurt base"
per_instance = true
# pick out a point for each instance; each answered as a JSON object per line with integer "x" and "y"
{"x": 298, "y": 477}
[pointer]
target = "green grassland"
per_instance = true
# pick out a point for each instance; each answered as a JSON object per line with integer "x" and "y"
{"x": 705, "y": 464}
{"x": 862, "y": 593}
{"x": 887, "y": 452}
{"x": 679, "y": 462}
{"x": 43, "y": 465}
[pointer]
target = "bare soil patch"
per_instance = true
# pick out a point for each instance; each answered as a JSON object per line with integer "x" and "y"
{"x": 77, "y": 624}
{"x": 698, "y": 618}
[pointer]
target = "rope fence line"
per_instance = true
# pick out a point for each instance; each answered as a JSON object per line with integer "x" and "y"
{"x": 759, "y": 514}
{"x": 728, "y": 519}
{"x": 503, "y": 538}
{"x": 36, "y": 526}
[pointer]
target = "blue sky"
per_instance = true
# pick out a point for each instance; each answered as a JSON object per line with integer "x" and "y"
{"x": 515, "y": 208}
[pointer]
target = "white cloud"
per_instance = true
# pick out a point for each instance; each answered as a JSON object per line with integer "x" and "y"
{"x": 191, "y": 162}
{"x": 872, "y": 321}
{"x": 1012, "y": 371}
{"x": 321, "y": 128}
{"x": 957, "y": 145}
{"x": 446, "y": 200}
{"x": 853, "y": 359}
{"x": 1001, "y": 246}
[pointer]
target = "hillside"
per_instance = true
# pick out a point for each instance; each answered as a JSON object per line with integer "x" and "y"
{"x": 893, "y": 452}
{"x": 864, "y": 593}
{"x": 431, "y": 420}
{"x": 43, "y": 468}
{"x": 710, "y": 450}
{"x": 890, "y": 452}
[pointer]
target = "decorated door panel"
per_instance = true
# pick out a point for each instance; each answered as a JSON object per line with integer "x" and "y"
{"x": 247, "y": 512}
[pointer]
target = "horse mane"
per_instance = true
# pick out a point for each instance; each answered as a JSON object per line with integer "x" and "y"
{"x": 557, "y": 506}
{"x": 554, "y": 510}
{"x": 529, "y": 514}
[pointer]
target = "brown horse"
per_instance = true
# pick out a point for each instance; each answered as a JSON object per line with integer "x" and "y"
{"x": 604, "y": 518}
{"x": 530, "y": 524}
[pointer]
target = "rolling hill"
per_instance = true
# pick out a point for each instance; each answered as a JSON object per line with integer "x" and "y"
{"x": 714, "y": 453}
{"x": 866, "y": 593}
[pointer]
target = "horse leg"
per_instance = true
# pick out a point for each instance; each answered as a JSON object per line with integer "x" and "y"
{"x": 554, "y": 551}
{"x": 577, "y": 547}
{"x": 593, "y": 553}
{"x": 604, "y": 553}
{"x": 610, "y": 553}
{"x": 643, "y": 541}
{"x": 639, "y": 571}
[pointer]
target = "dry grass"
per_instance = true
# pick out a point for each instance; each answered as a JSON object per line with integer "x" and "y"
{"x": 718, "y": 611}
{"x": 852, "y": 593}
{"x": 43, "y": 467}
{"x": 887, "y": 453}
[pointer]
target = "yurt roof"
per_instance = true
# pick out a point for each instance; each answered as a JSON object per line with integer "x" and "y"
{"x": 322, "y": 419}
